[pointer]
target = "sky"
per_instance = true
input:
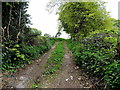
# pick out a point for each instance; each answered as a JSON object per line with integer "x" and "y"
{"x": 48, "y": 22}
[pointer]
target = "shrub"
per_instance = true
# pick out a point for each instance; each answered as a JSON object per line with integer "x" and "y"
{"x": 97, "y": 56}
{"x": 17, "y": 55}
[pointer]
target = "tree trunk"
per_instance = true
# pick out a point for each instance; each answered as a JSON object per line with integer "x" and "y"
{"x": 9, "y": 22}
{"x": 17, "y": 38}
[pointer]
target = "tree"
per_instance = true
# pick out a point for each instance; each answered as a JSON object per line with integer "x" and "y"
{"x": 15, "y": 28}
{"x": 80, "y": 18}
{"x": 59, "y": 30}
{"x": 57, "y": 34}
{"x": 15, "y": 21}
{"x": 47, "y": 35}
{"x": 31, "y": 35}
{"x": 35, "y": 32}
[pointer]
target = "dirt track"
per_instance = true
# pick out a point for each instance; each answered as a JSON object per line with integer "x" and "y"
{"x": 70, "y": 75}
{"x": 25, "y": 77}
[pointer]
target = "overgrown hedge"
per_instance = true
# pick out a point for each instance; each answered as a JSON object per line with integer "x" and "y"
{"x": 97, "y": 56}
{"x": 18, "y": 55}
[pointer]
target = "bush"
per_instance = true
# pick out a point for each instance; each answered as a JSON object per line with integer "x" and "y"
{"x": 17, "y": 55}
{"x": 97, "y": 56}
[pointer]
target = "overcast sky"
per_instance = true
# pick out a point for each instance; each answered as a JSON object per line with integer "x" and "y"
{"x": 47, "y": 23}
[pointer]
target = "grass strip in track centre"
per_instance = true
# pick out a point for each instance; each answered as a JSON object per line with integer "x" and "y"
{"x": 52, "y": 66}
{"x": 55, "y": 61}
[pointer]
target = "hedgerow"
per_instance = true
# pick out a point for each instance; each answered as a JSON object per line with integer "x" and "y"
{"x": 97, "y": 56}
{"x": 18, "y": 55}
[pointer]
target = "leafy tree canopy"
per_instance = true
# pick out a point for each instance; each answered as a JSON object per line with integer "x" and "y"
{"x": 81, "y": 18}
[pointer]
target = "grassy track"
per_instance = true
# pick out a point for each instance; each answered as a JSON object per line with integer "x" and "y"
{"x": 55, "y": 61}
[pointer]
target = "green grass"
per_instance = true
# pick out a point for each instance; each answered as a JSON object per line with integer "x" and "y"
{"x": 55, "y": 61}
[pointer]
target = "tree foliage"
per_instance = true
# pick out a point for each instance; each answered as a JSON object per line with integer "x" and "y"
{"x": 14, "y": 21}
{"x": 95, "y": 43}
{"x": 81, "y": 18}
{"x": 20, "y": 43}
